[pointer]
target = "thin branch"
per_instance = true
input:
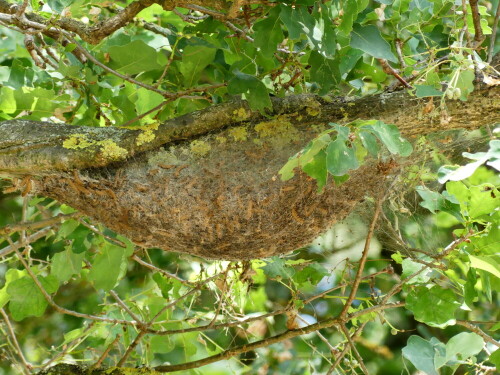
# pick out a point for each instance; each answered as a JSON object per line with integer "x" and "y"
{"x": 271, "y": 340}
{"x": 156, "y": 108}
{"x": 124, "y": 306}
{"x": 98, "y": 232}
{"x": 89, "y": 56}
{"x": 26, "y": 366}
{"x": 163, "y": 272}
{"x": 24, "y": 226}
{"x": 466, "y": 27}
{"x": 476, "y": 20}
{"x": 478, "y": 331}
{"x": 34, "y": 237}
{"x": 364, "y": 257}
{"x": 354, "y": 349}
{"x": 58, "y": 308}
{"x": 106, "y": 353}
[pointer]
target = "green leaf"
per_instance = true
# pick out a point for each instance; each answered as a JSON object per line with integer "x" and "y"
{"x": 277, "y": 268}
{"x": 316, "y": 169}
{"x": 444, "y": 302}
{"x": 25, "y": 297}
{"x": 434, "y": 201}
{"x": 107, "y": 266}
{"x": 495, "y": 358}
{"x": 134, "y": 57}
{"x": 369, "y": 142}
{"x": 7, "y": 100}
{"x": 194, "y": 60}
{"x": 255, "y": 91}
{"x": 421, "y": 354}
{"x": 465, "y": 344}
{"x": 312, "y": 273}
{"x": 410, "y": 267}
{"x": 465, "y": 83}
{"x": 325, "y": 72}
{"x": 391, "y": 137}
{"x": 470, "y": 293}
{"x": 66, "y": 264}
{"x": 369, "y": 40}
{"x": 164, "y": 284}
{"x": 340, "y": 158}
{"x": 11, "y": 275}
{"x": 488, "y": 263}
{"x": 423, "y": 91}
{"x": 268, "y": 33}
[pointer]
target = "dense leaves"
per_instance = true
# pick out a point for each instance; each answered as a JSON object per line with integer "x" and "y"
{"x": 71, "y": 290}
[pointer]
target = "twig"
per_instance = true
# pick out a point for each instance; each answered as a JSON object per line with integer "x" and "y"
{"x": 131, "y": 347}
{"x": 270, "y": 340}
{"x": 26, "y": 366}
{"x": 476, "y": 20}
{"x": 493, "y": 34}
{"x": 22, "y": 8}
{"x": 89, "y": 56}
{"x": 163, "y": 272}
{"x": 124, "y": 306}
{"x": 354, "y": 349}
{"x": 478, "y": 331}
{"x": 106, "y": 353}
{"x": 97, "y": 231}
{"x": 34, "y": 237}
{"x": 24, "y": 226}
{"x": 58, "y": 308}
{"x": 159, "y": 106}
{"x": 364, "y": 257}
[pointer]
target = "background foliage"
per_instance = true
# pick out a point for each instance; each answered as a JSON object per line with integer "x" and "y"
{"x": 427, "y": 297}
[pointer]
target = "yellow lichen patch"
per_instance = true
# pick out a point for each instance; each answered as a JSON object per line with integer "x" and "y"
{"x": 221, "y": 139}
{"x": 144, "y": 137}
{"x": 239, "y": 133}
{"x": 147, "y": 133}
{"x": 77, "y": 141}
{"x": 314, "y": 109}
{"x": 111, "y": 151}
{"x": 277, "y": 127}
{"x": 241, "y": 114}
{"x": 200, "y": 148}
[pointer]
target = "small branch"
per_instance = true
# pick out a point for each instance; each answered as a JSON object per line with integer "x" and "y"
{"x": 58, "y": 308}
{"x": 270, "y": 340}
{"x": 124, "y": 306}
{"x": 478, "y": 331}
{"x": 156, "y": 108}
{"x": 476, "y": 19}
{"x": 26, "y": 366}
{"x": 354, "y": 349}
{"x": 106, "y": 353}
{"x": 364, "y": 257}
{"x": 131, "y": 347}
{"x": 34, "y": 237}
{"x": 163, "y": 272}
{"x": 89, "y": 56}
{"x": 24, "y": 226}
{"x": 98, "y": 232}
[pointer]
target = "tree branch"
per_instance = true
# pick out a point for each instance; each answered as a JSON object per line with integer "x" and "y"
{"x": 29, "y": 147}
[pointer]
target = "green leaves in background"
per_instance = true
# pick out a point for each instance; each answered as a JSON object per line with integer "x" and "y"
{"x": 26, "y": 299}
{"x": 368, "y": 39}
{"x": 255, "y": 91}
{"x": 108, "y": 265}
{"x": 430, "y": 356}
{"x": 194, "y": 60}
{"x": 134, "y": 57}
{"x": 444, "y": 302}
{"x": 268, "y": 33}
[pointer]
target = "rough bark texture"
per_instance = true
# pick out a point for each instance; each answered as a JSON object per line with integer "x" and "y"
{"x": 207, "y": 183}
